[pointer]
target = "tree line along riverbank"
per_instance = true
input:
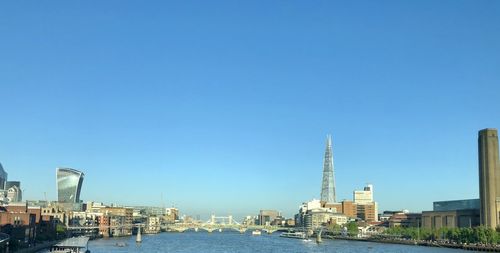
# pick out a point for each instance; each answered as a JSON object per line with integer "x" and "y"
{"x": 477, "y": 238}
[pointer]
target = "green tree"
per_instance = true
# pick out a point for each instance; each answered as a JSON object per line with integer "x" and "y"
{"x": 480, "y": 235}
{"x": 352, "y": 228}
{"x": 335, "y": 228}
{"x": 467, "y": 235}
{"x": 491, "y": 236}
{"x": 453, "y": 234}
{"x": 460, "y": 235}
{"x": 60, "y": 230}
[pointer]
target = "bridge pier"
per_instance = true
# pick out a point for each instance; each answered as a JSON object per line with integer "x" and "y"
{"x": 318, "y": 237}
{"x": 138, "y": 239}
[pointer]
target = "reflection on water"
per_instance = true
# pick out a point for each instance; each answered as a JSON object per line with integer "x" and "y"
{"x": 236, "y": 242}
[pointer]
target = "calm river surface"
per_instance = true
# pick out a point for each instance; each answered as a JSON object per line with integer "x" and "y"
{"x": 236, "y": 242}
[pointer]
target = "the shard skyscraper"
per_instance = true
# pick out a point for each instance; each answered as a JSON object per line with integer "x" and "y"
{"x": 328, "y": 186}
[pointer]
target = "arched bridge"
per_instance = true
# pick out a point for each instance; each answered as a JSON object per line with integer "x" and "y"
{"x": 218, "y": 223}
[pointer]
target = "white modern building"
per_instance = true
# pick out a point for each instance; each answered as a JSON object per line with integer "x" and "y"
{"x": 312, "y": 215}
{"x": 365, "y": 196}
{"x": 14, "y": 194}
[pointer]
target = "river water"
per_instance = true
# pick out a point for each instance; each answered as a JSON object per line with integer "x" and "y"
{"x": 188, "y": 242}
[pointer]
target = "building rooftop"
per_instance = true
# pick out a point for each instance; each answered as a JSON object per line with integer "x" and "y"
{"x": 488, "y": 130}
{"x": 74, "y": 242}
{"x": 70, "y": 170}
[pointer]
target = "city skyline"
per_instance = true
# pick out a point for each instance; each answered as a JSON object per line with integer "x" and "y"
{"x": 80, "y": 179}
{"x": 224, "y": 107}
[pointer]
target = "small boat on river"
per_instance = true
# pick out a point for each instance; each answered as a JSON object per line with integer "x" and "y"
{"x": 256, "y": 232}
{"x": 294, "y": 235}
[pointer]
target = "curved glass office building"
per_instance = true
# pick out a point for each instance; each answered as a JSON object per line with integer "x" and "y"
{"x": 69, "y": 184}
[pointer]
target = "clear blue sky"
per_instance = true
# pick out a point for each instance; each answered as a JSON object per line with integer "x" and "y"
{"x": 223, "y": 106}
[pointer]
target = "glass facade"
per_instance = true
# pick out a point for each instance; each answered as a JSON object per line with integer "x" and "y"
{"x": 3, "y": 178}
{"x": 453, "y": 205}
{"x": 328, "y": 184}
{"x": 9, "y": 184}
{"x": 69, "y": 184}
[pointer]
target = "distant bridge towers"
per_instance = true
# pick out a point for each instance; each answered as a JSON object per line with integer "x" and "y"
{"x": 221, "y": 220}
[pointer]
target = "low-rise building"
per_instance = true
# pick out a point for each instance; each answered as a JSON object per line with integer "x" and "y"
{"x": 21, "y": 222}
{"x": 54, "y": 212}
{"x": 452, "y": 214}
{"x": 266, "y": 217}
{"x": 324, "y": 217}
{"x": 83, "y": 223}
{"x": 171, "y": 215}
{"x": 450, "y": 219}
{"x": 104, "y": 226}
{"x": 314, "y": 214}
{"x": 249, "y": 220}
{"x": 290, "y": 223}
{"x": 152, "y": 225}
{"x": 120, "y": 219}
{"x": 405, "y": 220}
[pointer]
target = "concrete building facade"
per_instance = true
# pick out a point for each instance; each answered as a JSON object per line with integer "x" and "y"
{"x": 401, "y": 219}
{"x": 489, "y": 177}
{"x": 365, "y": 196}
{"x": 367, "y": 212}
{"x": 121, "y": 219}
{"x": 152, "y": 225}
{"x": 450, "y": 219}
{"x": 266, "y": 217}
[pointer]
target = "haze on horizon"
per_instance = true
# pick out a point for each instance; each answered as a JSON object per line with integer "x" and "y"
{"x": 223, "y": 106}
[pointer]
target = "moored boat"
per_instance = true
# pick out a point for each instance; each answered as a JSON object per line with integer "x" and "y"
{"x": 256, "y": 232}
{"x": 72, "y": 245}
{"x": 295, "y": 235}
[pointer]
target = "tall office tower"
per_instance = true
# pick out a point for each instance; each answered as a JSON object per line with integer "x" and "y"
{"x": 489, "y": 177}
{"x": 3, "y": 178}
{"x": 69, "y": 184}
{"x": 328, "y": 186}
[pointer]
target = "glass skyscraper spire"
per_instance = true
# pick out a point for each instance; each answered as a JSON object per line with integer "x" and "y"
{"x": 328, "y": 186}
